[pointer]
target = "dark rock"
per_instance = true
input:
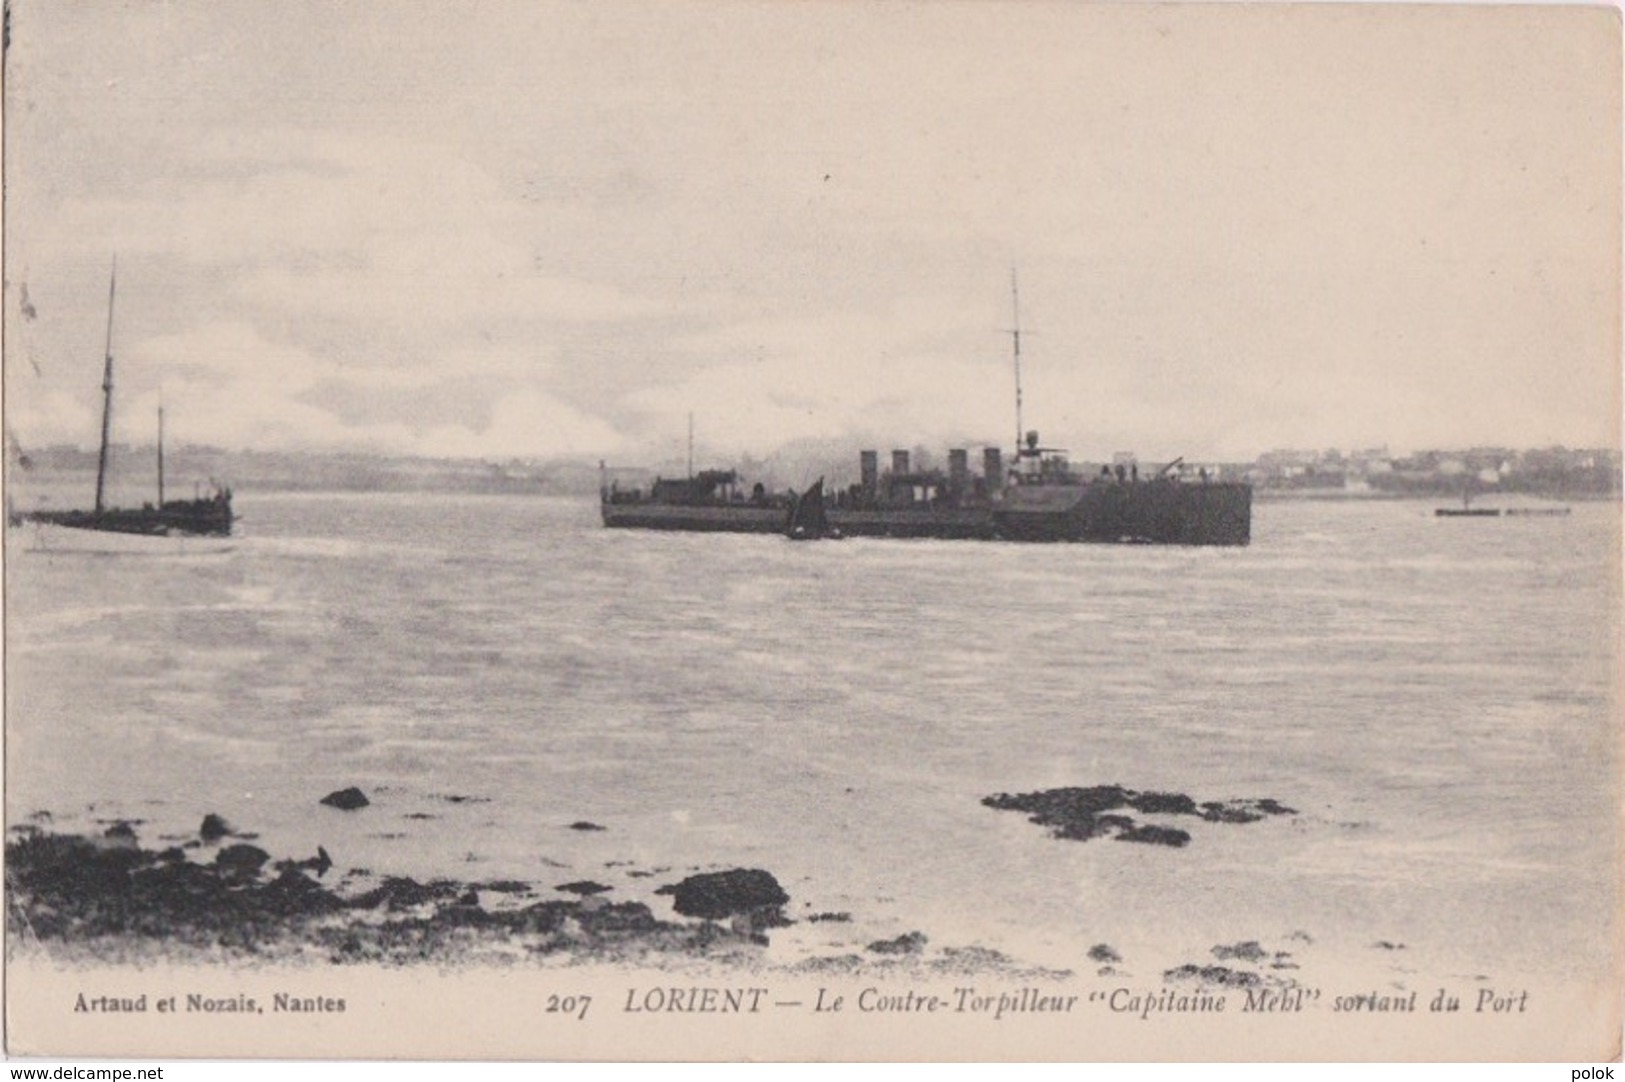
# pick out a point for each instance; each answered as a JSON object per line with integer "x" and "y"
{"x": 214, "y": 828}
{"x": 1060, "y": 805}
{"x": 1163, "y": 803}
{"x": 123, "y": 830}
{"x": 719, "y": 895}
{"x": 1217, "y": 812}
{"x": 838, "y": 964}
{"x": 294, "y": 892}
{"x": 346, "y": 799}
{"x": 1071, "y": 813}
{"x": 583, "y": 887}
{"x": 831, "y": 918}
{"x": 404, "y": 892}
{"x": 320, "y": 863}
{"x": 1250, "y": 951}
{"x": 769, "y": 917}
{"x": 582, "y": 824}
{"x": 627, "y": 917}
{"x": 64, "y": 868}
{"x": 1243, "y": 811}
{"x": 1220, "y": 975}
{"x": 1107, "y": 824}
{"x": 108, "y": 898}
{"x": 241, "y": 859}
{"x": 971, "y": 960}
{"x": 1154, "y": 835}
{"x": 1103, "y": 952}
{"x": 546, "y": 917}
{"x": 1079, "y": 814}
{"x": 505, "y": 886}
{"x": 173, "y": 855}
{"x": 908, "y": 943}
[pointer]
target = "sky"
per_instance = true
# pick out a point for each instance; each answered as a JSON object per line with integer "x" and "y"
{"x": 504, "y": 229}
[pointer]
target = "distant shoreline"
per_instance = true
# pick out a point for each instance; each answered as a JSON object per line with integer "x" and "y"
{"x": 65, "y": 478}
{"x": 1286, "y": 495}
{"x": 1549, "y": 474}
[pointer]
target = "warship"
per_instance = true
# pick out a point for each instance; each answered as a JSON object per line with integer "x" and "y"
{"x": 1041, "y": 498}
{"x": 205, "y": 515}
{"x": 1035, "y": 495}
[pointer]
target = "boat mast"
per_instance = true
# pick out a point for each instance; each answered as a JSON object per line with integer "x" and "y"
{"x": 160, "y": 456}
{"x": 691, "y": 445}
{"x": 1015, "y": 341}
{"x": 107, "y": 391}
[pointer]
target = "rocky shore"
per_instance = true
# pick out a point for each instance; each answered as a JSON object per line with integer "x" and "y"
{"x": 108, "y": 896}
{"x": 216, "y": 894}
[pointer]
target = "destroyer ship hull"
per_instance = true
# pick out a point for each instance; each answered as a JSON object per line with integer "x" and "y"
{"x": 726, "y": 519}
{"x": 1155, "y": 513}
{"x": 1159, "y": 513}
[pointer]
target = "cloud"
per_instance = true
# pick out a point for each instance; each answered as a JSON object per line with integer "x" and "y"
{"x": 546, "y": 227}
{"x": 47, "y": 417}
{"x": 226, "y": 385}
{"x": 912, "y": 371}
{"x": 526, "y": 424}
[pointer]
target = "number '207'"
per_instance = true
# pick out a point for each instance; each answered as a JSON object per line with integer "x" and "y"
{"x": 575, "y": 1006}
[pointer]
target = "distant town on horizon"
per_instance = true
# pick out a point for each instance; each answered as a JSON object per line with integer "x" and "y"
{"x": 1556, "y": 471}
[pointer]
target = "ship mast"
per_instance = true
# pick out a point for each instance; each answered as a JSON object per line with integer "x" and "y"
{"x": 1015, "y": 342}
{"x": 160, "y": 456}
{"x": 107, "y": 391}
{"x": 691, "y": 445}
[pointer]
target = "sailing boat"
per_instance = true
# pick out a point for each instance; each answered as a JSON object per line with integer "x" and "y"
{"x": 807, "y": 520}
{"x": 1467, "y": 510}
{"x": 205, "y": 515}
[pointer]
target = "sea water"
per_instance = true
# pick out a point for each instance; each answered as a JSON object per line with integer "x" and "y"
{"x": 1434, "y": 697}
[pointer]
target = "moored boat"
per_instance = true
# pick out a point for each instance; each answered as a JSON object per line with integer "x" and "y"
{"x": 205, "y": 515}
{"x": 1467, "y": 510}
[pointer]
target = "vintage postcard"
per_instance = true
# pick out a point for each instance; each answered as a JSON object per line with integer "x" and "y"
{"x": 743, "y": 530}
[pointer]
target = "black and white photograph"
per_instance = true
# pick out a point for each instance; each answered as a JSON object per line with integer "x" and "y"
{"x": 740, "y": 530}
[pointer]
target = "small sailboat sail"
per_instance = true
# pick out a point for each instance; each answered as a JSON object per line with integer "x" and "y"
{"x": 1467, "y": 509}
{"x": 204, "y": 515}
{"x": 808, "y": 519}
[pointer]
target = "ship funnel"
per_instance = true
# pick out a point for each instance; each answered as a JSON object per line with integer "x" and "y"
{"x": 899, "y": 462}
{"x": 958, "y": 468}
{"x": 869, "y": 469}
{"x": 993, "y": 468}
